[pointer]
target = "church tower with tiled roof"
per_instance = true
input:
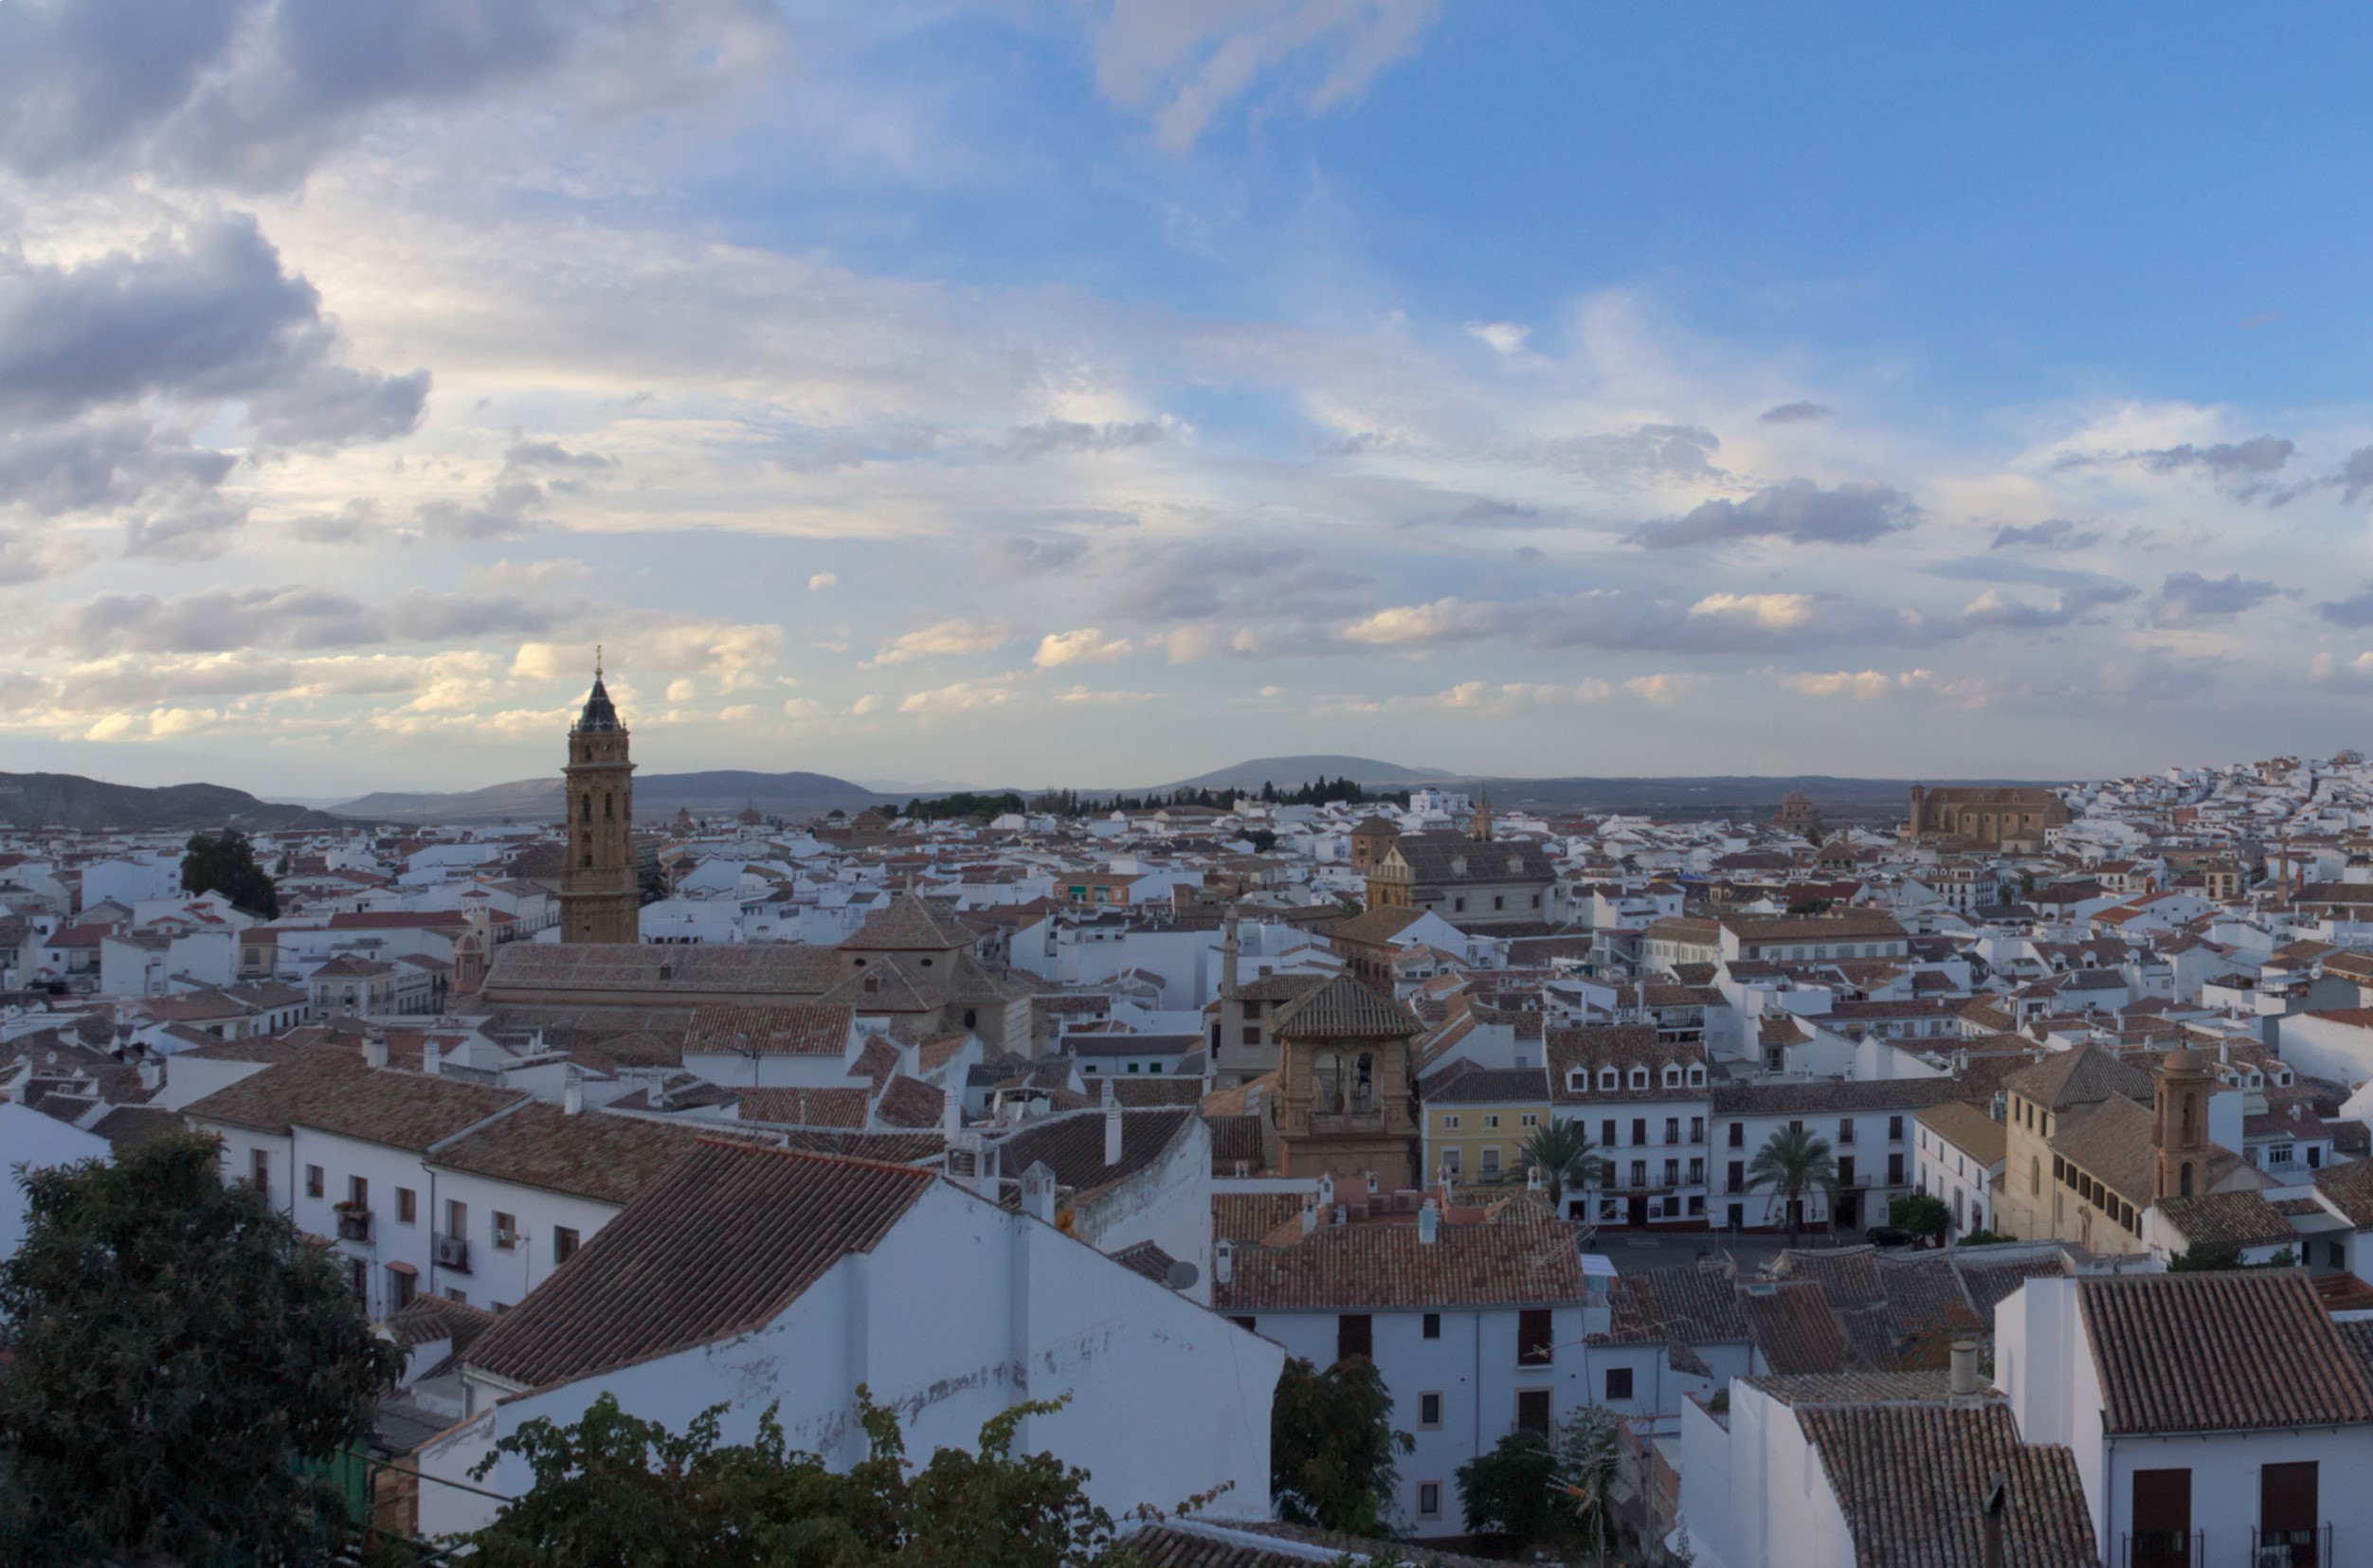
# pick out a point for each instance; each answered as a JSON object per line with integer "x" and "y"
{"x": 600, "y": 902}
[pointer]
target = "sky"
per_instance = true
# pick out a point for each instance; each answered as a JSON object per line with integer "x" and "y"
{"x": 1098, "y": 391}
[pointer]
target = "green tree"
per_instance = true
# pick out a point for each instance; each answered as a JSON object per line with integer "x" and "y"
{"x": 1515, "y": 1490}
{"x": 612, "y": 1490}
{"x": 178, "y": 1354}
{"x": 1589, "y": 1462}
{"x": 1984, "y": 1238}
{"x": 1793, "y": 1163}
{"x": 1564, "y": 1155}
{"x": 1332, "y": 1445}
{"x": 224, "y": 862}
{"x": 1920, "y": 1216}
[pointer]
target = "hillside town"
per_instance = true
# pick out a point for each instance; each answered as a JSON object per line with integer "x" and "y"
{"x": 1965, "y": 1188}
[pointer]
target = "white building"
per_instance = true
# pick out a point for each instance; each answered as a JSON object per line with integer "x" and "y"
{"x": 1957, "y": 1156}
{"x": 768, "y": 1279}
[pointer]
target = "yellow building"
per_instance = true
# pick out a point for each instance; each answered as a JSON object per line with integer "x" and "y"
{"x": 1477, "y": 1118}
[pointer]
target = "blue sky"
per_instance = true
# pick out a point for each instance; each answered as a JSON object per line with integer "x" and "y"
{"x": 1100, "y": 390}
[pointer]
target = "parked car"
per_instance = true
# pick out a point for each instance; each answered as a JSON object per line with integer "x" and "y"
{"x": 1887, "y": 1235}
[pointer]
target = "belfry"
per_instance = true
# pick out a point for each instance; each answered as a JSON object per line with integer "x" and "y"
{"x": 598, "y": 899}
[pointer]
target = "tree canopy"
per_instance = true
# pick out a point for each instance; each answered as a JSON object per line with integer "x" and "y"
{"x": 1332, "y": 1445}
{"x": 612, "y": 1490}
{"x": 1921, "y": 1216}
{"x": 224, "y": 862}
{"x": 179, "y": 1354}
{"x": 1793, "y": 1162}
{"x": 1564, "y": 1155}
{"x": 1545, "y": 1490}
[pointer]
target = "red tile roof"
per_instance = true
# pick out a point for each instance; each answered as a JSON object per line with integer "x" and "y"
{"x": 2228, "y": 1351}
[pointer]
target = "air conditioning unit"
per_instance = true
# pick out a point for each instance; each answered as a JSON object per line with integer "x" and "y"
{"x": 453, "y": 1252}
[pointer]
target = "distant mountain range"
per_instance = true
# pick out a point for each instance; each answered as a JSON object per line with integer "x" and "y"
{"x": 657, "y": 797}
{"x": 1293, "y": 772}
{"x": 70, "y": 801}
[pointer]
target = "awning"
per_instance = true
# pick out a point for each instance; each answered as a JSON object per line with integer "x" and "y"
{"x": 403, "y": 1268}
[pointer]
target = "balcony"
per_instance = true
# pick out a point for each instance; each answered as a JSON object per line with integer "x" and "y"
{"x": 352, "y": 1224}
{"x": 453, "y": 1252}
{"x": 2305, "y": 1548}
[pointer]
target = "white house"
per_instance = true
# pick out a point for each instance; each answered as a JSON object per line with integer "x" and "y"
{"x": 1474, "y": 1322}
{"x": 1957, "y": 1154}
{"x": 2209, "y": 1413}
{"x": 765, "y": 1279}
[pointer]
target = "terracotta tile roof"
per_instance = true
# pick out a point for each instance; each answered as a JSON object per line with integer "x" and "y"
{"x": 1377, "y": 1266}
{"x": 896, "y": 1149}
{"x": 1345, "y": 1008}
{"x": 909, "y": 1103}
{"x": 1793, "y": 1327}
{"x": 607, "y": 1158}
{"x": 2078, "y": 1077}
{"x": 806, "y": 1107}
{"x": 425, "y": 1318}
{"x": 2349, "y": 1185}
{"x": 331, "y": 1090}
{"x": 1832, "y": 1096}
{"x": 1622, "y": 1046}
{"x": 813, "y": 1030}
{"x": 2228, "y": 1219}
{"x": 1150, "y": 1094}
{"x": 1853, "y": 1388}
{"x": 1250, "y": 1216}
{"x": 1374, "y": 927}
{"x": 1462, "y": 1083}
{"x": 1990, "y": 1280}
{"x": 1849, "y": 1274}
{"x": 1923, "y": 1295}
{"x": 2235, "y": 1350}
{"x": 785, "y": 968}
{"x": 1910, "y": 1481}
{"x": 1215, "y": 1543}
{"x": 1967, "y": 1128}
{"x": 878, "y": 1061}
{"x": 1147, "y": 1259}
{"x": 1678, "y": 1306}
{"x": 721, "y": 1245}
{"x": 910, "y": 924}
{"x": 1072, "y": 1146}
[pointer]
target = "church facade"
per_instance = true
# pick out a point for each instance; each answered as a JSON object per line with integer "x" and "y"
{"x": 2011, "y": 814}
{"x": 601, "y": 899}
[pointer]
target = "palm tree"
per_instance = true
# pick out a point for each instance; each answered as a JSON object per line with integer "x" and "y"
{"x": 1561, "y": 1151}
{"x": 1794, "y": 1162}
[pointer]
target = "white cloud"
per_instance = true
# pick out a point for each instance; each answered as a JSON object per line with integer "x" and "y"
{"x": 1088, "y": 645}
{"x": 1771, "y": 612}
{"x": 946, "y": 638}
{"x": 1506, "y": 336}
{"x": 962, "y": 698}
{"x": 822, "y": 581}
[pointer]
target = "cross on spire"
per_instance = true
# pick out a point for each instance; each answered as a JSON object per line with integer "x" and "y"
{"x": 597, "y": 661}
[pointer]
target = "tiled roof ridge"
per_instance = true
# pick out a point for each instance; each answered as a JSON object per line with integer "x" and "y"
{"x": 715, "y": 1142}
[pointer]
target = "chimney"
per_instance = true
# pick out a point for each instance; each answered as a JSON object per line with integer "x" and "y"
{"x": 374, "y": 1048}
{"x": 1112, "y": 1126}
{"x": 1038, "y": 1193}
{"x": 1428, "y": 1219}
{"x": 951, "y": 1111}
{"x": 1309, "y": 1214}
{"x": 572, "y": 1094}
{"x": 1964, "y": 1355}
{"x": 431, "y": 1056}
{"x": 1223, "y": 1261}
{"x": 152, "y": 1074}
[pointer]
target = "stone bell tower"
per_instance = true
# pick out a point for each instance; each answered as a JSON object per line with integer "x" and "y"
{"x": 2179, "y": 1126}
{"x": 598, "y": 899}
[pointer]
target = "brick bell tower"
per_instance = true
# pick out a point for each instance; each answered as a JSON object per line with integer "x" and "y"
{"x": 598, "y": 899}
{"x": 2179, "y": 1133}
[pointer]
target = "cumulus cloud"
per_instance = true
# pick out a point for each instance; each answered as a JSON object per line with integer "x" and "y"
{"x": 962, "y": 698}
{"x": 2053, "y": 534}
{"x": 1182, "y": 65}
{"x": 1643, "y": 455}
{"x": 1872, "y": 685}
{"x": 1505, "y": 337}
{"x": 1793, "y": 413}
{"x": 1427, "y": 625}
{"x": 1088, "y": 645}
{"x": 202, "y": 317}
{"x": 251, "y": 93}
{"x": 1997, "y": 610}
{"x": 2257, "y": 457}
{"x": 946, "y": 638}
{"x": 822, "y": 581}
{"x": 2188, "y": 599}
{"x": 1485, "y": 696}
{"x": 1798, "y": 510}
{"x": 2355, "y": 610}
{"x": 218, "y": 620}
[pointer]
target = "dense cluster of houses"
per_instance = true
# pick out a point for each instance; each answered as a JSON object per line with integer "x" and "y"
{"x": 1131, "y": 1107}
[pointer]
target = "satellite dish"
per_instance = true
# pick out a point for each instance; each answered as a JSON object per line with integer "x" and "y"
{"x": 1181, "y": 1275}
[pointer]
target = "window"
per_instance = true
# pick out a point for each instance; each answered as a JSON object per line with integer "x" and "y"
{"x": 1429, "y": 1412}
{"x": 1609, "y": 1078}
{"x": 1671, "y": 1173}
{"x": 400, "y": 1287}
{"x": 1738, "y": 1214}
{"x": 1355, "y": 1335}
{"x": 1640, "y": 1173}
{"x": 1640, "y": 1077}
{"x": 1491, "y": 1161}
{"x": 1698, "y": 1129}
{"x": 1529, "y": 1119}
{"x": 1619, "y": 1382}
{"x": 1738, "y": 1178}
{"x": 1697, "y": 1206}
{"x": 1458, "y": 905}
{"x": 260, "y": 1169}
{"x": 312, "y": 1181}
{"x": 1450, "y": 1162}
{"x": 1607, "y": 1133}
{"x": 1433, "y": 1329}
{"x": 406, "y": 1205}
{"x": 456, "y": 1218}
{"x": 1738, "y": 1135}
{"x": 564, "y": 1244}
{"x": 460, "y": 1298}
{"x": 1450, "y": 1124}
{"x": 1429, "y": 1500}
{"x": 1696, "y": 1170}
{"x": 1845, "y": 1170}
{"x": 506, "y": 1231}
{"x": 1491, "y": 1119}
{"x": 2035, "y": 1176}
{"x": 1845, "y": 1130}
{"x": 1640, "y": 1129}
{"x": 1672, "y": 1129}
{"x": 1499, "y": 901}
{"x": 1696, "y": 1077}
{"x": 1536, "y": 1343}
{"x": 1895, "y": 1170}
{"x": 1532, "y": 1410}
{"x": 1894, "y": 1129}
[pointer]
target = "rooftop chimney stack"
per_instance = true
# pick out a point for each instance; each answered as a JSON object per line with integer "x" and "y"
{"x": 572, "y": 1094}
{"x": 431, "y": 1056}
{"x": 1964, "y": 1355}
{"x": 1038, "y": 1192}
{"x": 1223, "y": 1261}
{"x": 951, "y": 1111}
{"x": 375, "y": 1048}
{"x": 1428, "y": 1219}
{"x": 1112, "y": 1126}
{"x": 151, "y": 1074}
{"x": 1309, "y": 1214}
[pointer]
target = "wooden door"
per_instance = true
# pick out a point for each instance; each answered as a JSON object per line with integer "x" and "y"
{"x": 2162, "y": 1519}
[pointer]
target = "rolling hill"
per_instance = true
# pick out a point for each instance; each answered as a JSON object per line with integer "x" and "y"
{"x": 70, "y": 801}
{"x": 657, "y": 797}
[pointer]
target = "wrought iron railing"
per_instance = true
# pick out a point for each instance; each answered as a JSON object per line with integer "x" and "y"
{"x": 2307, "y": 1548}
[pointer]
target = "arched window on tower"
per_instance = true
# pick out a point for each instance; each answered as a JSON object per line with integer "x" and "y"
{"x": 2185, "y": 1180}
{"x": 1363, "y": 1083}
{"x": 1327, "y": 1074}
{"x": 589, "y": 808}
{"x": 610, "y": 811}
